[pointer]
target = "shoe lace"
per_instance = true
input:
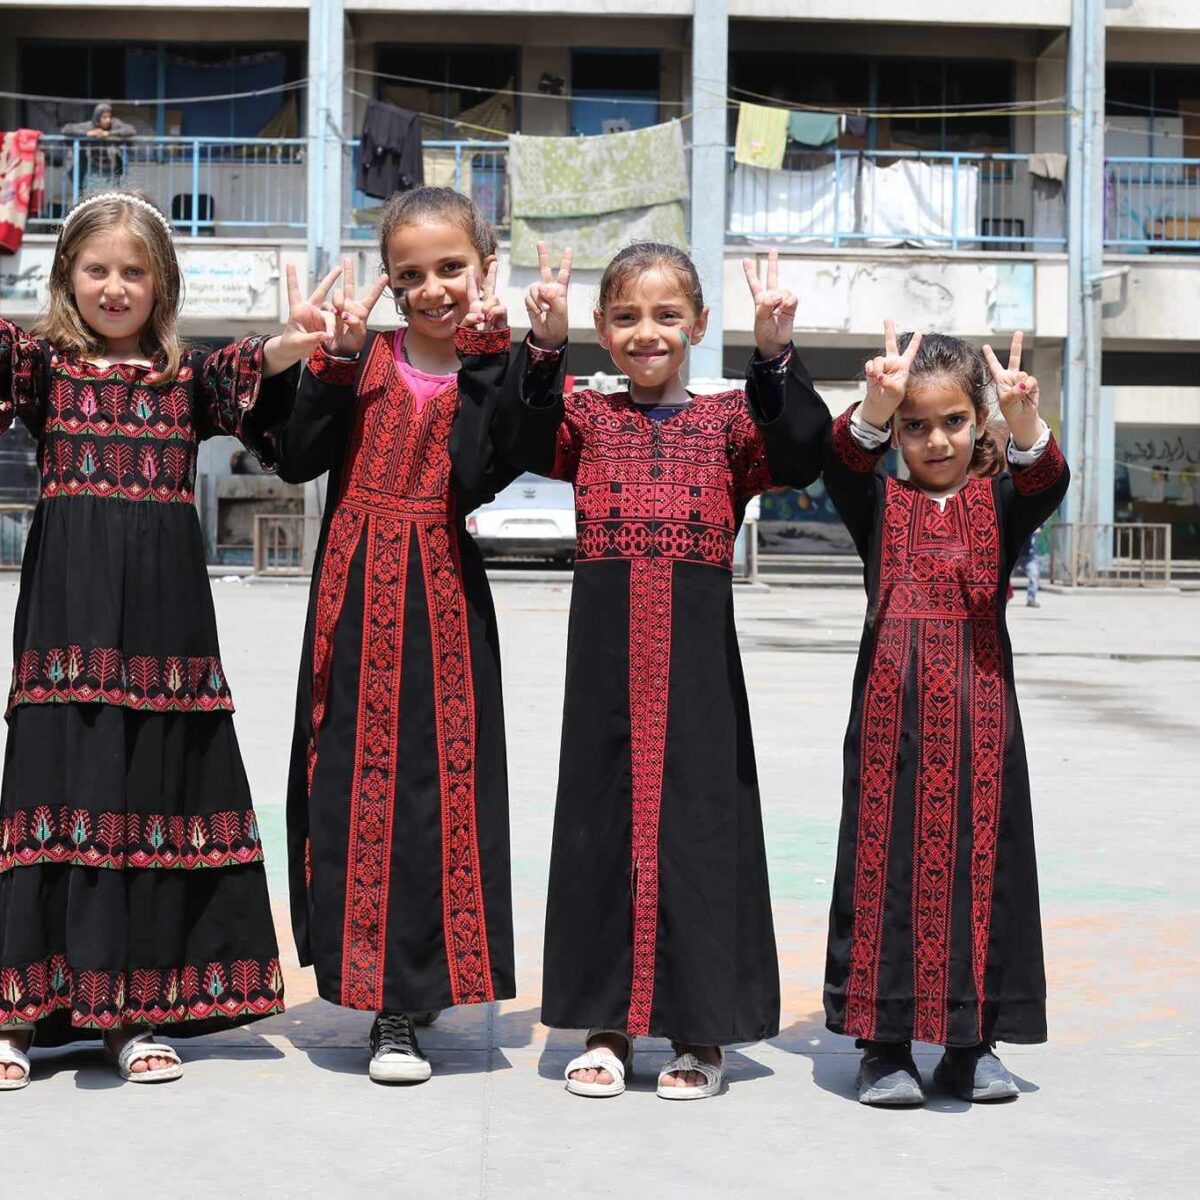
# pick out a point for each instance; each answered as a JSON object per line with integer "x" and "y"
{"x": 394, "y": 1032}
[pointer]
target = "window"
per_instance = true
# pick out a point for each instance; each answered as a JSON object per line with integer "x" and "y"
{"x": 614, "y": 89}
{"x": 461, "y": 79}
{"x": 1154, "y": 111}
{"x": 150, "y": 71}
{"x": 922, "y": 85}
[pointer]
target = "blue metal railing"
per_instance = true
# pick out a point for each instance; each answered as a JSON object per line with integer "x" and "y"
{"x": 257, "y": 187}
{"x": 476, "y": 168}
{"x": 1151, "y": 204}
{"x": 237, "y": 187}
{"x": 957, "y": 200}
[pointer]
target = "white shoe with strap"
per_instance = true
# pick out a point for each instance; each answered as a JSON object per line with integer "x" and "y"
{"x": 714, "y": 1078}
{"x": 138, "y": 1048}
{"x": 13, "y": 1056}
{"x": 601, "y": 1058}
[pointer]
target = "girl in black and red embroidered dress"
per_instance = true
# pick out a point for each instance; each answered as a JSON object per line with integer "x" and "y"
{"x": 132, "y": 892}
{"x": 934, "y": 930}
{"x": 658, "y": 919}
{"x": 398, "y": 800}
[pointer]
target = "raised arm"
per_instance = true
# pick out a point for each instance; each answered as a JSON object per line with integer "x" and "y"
{"x": 24, "y": 378}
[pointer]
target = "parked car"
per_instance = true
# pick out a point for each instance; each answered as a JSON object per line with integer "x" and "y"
{"x": 532, "y": 518}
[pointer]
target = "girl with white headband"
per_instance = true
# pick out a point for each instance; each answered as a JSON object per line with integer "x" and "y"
{"x": 132, "y": 891}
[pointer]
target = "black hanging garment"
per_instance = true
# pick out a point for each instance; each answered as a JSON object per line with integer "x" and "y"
{"x": 389, "y": 157}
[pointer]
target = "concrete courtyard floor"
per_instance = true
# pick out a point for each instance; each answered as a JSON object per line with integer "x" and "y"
{"x": 1108, "y": 686}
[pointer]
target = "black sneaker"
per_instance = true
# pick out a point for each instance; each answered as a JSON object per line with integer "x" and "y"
{"x": 974, "y": 1073}
{"x": 395, "y": 1053}
{"x": 888, "y": 1077}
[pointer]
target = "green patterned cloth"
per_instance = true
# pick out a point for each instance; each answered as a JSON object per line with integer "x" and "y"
{"x": 762, "y": 135}
{"x": 586, "y": 176}
{"x": 595, "y": 239}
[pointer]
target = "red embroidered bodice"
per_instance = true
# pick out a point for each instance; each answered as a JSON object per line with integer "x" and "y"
{"x": 660, "y": 489}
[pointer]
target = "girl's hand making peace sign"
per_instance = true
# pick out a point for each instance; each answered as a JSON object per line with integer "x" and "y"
{"x": 546, "y": 302}
{"x": 310, "y": 324}
{"x": 887, "y": 377}
{"x": 485, "y": 312}
{"x": 1017, "y": 391}
{"x": 774, "y": 308}
{"x": 350, "y": 314}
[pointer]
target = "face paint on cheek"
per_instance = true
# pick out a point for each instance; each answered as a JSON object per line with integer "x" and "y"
{"x": 685, "y": 336}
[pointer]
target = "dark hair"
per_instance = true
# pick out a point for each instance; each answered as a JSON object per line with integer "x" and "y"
{"x": 428, "y": 204}
{"x": 945, "y": 357}
{"x": 639, "y": 258}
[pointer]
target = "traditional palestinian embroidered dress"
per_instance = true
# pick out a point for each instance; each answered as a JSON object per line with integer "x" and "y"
{"x": 658, "y": 918}
{"x": 934, "y": 930}
{"x": 131, "y": 879}
{"x": 398, "y": 796}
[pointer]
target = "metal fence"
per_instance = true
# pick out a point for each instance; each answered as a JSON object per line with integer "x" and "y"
{"x": 1131, "y": 554}
{"x": 1152, "y": 204}
{"x": 279, "y": 543}
{"x": 15, "y": 520}
{"x": 232, "y": 187}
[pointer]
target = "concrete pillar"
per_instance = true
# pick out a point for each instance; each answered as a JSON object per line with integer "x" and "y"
{"x": 710, "y": 77}
{"x": 326, "y": 129}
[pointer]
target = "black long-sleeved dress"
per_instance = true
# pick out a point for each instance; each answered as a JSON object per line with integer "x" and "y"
{"x": 658, "y": 917}
{"x": 934, "y": 931}
{"x": 398, "y": 794}
{"x": 131, "y": 880}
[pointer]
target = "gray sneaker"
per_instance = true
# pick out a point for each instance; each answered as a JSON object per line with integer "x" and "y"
{"x": 974, "y": 1073}
{"x": 395, "y": 1053}
{"x": 888, "y": 1077}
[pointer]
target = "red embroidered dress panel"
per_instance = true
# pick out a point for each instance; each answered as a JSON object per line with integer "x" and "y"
{"x": 397, "y": 488}
{"x": 936, "y": 613}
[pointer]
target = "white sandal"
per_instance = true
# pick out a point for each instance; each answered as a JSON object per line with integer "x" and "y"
{"x": 714, "y": 1077}
{"x": 601, "y": 1059}
{"x": 10, "y": 1056}
{"x": 140, "y": 1046}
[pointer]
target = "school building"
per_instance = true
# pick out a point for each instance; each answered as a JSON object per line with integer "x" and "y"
{"x": 939, "y": 194}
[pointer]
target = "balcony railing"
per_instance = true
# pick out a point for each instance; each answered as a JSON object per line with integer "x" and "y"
{"x": 232, "y": 187}
{"x": 255, "y": 187}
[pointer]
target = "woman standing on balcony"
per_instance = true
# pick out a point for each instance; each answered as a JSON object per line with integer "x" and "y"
{"x": 132, "y": 892}
{"x": 398, "y": 797}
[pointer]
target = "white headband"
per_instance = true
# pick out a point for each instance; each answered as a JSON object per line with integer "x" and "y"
{"x": 127, "y": 199}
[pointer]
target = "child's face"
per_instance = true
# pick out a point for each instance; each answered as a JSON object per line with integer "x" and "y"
{"x": 649, "y": 328}
{"x": 935, "y": 430}
{"x": 428, "y": 263}
{"x": 113, "y": 285}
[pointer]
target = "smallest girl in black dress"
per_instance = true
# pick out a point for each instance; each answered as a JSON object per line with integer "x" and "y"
{"x": 132, "y": 892}
{"x": 934, "y": 932}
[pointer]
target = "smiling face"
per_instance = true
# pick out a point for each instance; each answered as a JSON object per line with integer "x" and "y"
{"x": 935, "y": 431}
{"x": 648, "y": 328}
{"x": 113, "y": 285}
{"x": 428, "y": 263}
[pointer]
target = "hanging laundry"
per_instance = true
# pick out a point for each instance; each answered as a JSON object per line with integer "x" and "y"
{"x": 389, "y": 158}
{"x": 814, "y": 128}
{"x": 578, "y": 176}
{"x": 857, "y": 125}
{"x": 1049, "y": 166}
{"x": 594, "y": 239}
{"x": 597, "y": 193}
{"x": 761, "y": 136}
{"x": 22, "y": 185}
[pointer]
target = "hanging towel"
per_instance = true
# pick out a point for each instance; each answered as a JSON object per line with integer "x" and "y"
{"x": 596, "y": 238}
{"x": 814, "y": 128}
{"x": 857, "y": 125}
{"x": 586, "y": 176}
{"x": 1049, "y": 166}
{"x": 761, "y": 136}
{"x": 389, "y": 158}
{"x": 22, "y": 185}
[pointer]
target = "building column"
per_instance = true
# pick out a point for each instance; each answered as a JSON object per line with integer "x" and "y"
{"x": 710, "y": 84}
{"x": 326, "y": 117}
